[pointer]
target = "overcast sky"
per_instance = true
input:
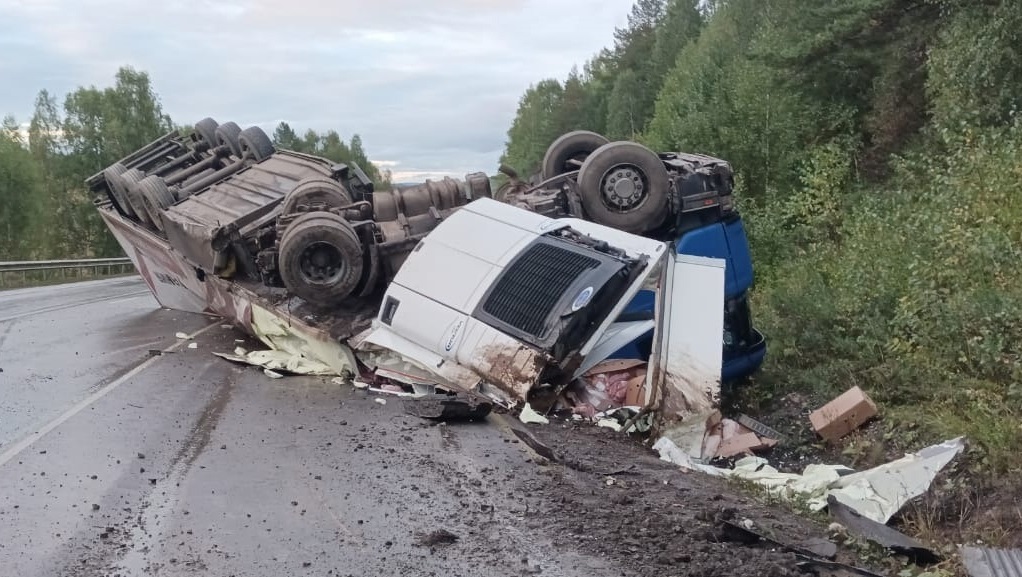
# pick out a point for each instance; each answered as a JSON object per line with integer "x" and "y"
{"x": 431, "y": 85}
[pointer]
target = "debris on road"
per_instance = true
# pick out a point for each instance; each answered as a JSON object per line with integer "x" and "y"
{"x": 843, "y": 415}
{"x": 437, "y": 537}
{"x": 273, "y": 374}
{"x": 193, "y": 345}
{"x": 528, "y": 415}
{"x": 442, "y": 407}
{"x": 182, "y": 336}
{"x": 278, "y": 361}
{"x": 380, "y": 401}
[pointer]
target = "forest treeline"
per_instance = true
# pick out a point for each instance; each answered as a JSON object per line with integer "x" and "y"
{"x": 879, "y": 158}
{"x": 45, "y": 210}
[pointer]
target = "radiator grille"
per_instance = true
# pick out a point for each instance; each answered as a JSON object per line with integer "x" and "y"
{"x": 531, "y": 287}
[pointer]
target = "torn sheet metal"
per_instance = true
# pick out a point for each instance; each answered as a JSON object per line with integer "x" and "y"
{"x": 881, "y": 492}
{"x": 278, "y": 333}
{"x": 876, "y": 494}
{"x": 277, "y": 361}
{"x": 984, "y": 562}
{"x": 881, "y": 534}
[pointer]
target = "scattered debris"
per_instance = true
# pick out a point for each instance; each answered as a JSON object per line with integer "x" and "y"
{"x": 843, "y": 415}
{"x": 528, "y": 415}
{"x": 879, "y": 493}
{"x": 876, "y": 494}
{"x": 273, "y": 374}
{"x": 821, "y": 547}
{"x": 533, "y": 443}
{"x": 193, "y": 345}
{"x": 984, "y": 562}
{"x": 280, "y": 361}
{"x": 438, "y": 537}
{"x": 743, "y": 533}
{"x": 880, "y": 533}
{"x": 380, "y": 401}
{"x": 183, "y": 336}
{"x": 449, "y": 407}
{"x": 759, "y": 428}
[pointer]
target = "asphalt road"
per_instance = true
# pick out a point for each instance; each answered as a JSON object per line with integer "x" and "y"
{"x": 116, "y": 461}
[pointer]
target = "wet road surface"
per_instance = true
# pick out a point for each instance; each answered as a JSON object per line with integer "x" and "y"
{"x": 118, "y": 462}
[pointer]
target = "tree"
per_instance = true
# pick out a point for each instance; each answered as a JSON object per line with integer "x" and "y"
{"x": 285, "y": 137}
{"x": 535, "y": 126}
{"x": 681, "y": 25}
{"x": 625, "y": 116}
{"x": 19, "y": 194}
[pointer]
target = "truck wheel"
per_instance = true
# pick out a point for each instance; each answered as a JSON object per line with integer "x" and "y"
{"x": 320, "y": 258}
{"x": 384, "y": 206}
{"x": 255, "y": 144}
{"x": 573, "y": 146}
{"x": 477, "y": 185}
{"x": 316, "y": 191}
{"x": 206, "y": 131}
{"x": 625, "y": 185}
{"x": 156, "y": 197}
{"x": 129, "y": 181}
{"x": 227, "y": 135}
{"x": 112, "y": 175}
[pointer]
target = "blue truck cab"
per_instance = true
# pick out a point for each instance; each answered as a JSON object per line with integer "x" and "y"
{"x": 704, "y": 222}
{"x": 681, "y": 198}
{"x": 744, "y": 346}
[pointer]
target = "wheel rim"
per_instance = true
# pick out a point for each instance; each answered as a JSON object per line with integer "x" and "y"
{"x": 322, "y": 263}
{"x": 624, "y": 187}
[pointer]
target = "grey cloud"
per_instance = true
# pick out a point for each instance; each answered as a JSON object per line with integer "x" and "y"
{"x": 432, "y": 86}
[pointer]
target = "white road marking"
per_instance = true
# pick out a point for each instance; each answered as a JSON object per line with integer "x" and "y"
{"x": 61, "y": 307}
{"x": 29, "y": 440}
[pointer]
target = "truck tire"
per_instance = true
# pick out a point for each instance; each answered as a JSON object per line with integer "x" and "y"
{"x": 477, "y": 185}
{"x": 112, "y": 175}
{"x": 385, "y": 207}
{"x": 330, "y": 193}
{"x": 577, "y": 145}
{"x": 320, "y": 258}
{"x": 227, "y": 135}
{"x": 625, "y": 185}
{"x": 255, "y": 144}
{"x": 129, "y": 181}
{"x": 206, "y": 131}
{"x": 157, "y": 198}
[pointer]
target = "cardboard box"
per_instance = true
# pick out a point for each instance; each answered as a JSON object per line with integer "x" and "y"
{"x": 739, "y": 444}
{"x": 843, "y": 415}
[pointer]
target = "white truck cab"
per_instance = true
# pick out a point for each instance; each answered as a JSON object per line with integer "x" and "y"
{"x": 502, "y": 296}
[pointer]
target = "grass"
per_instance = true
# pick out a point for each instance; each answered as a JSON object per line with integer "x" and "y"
{"x": 909, "y": 290}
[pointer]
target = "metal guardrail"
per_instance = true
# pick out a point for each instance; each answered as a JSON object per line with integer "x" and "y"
{"x": 35, "y": 272}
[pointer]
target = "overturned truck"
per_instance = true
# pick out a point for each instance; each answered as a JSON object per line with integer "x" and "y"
{"x": 228, "y": 205}
{"x": 465, "y": 291}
